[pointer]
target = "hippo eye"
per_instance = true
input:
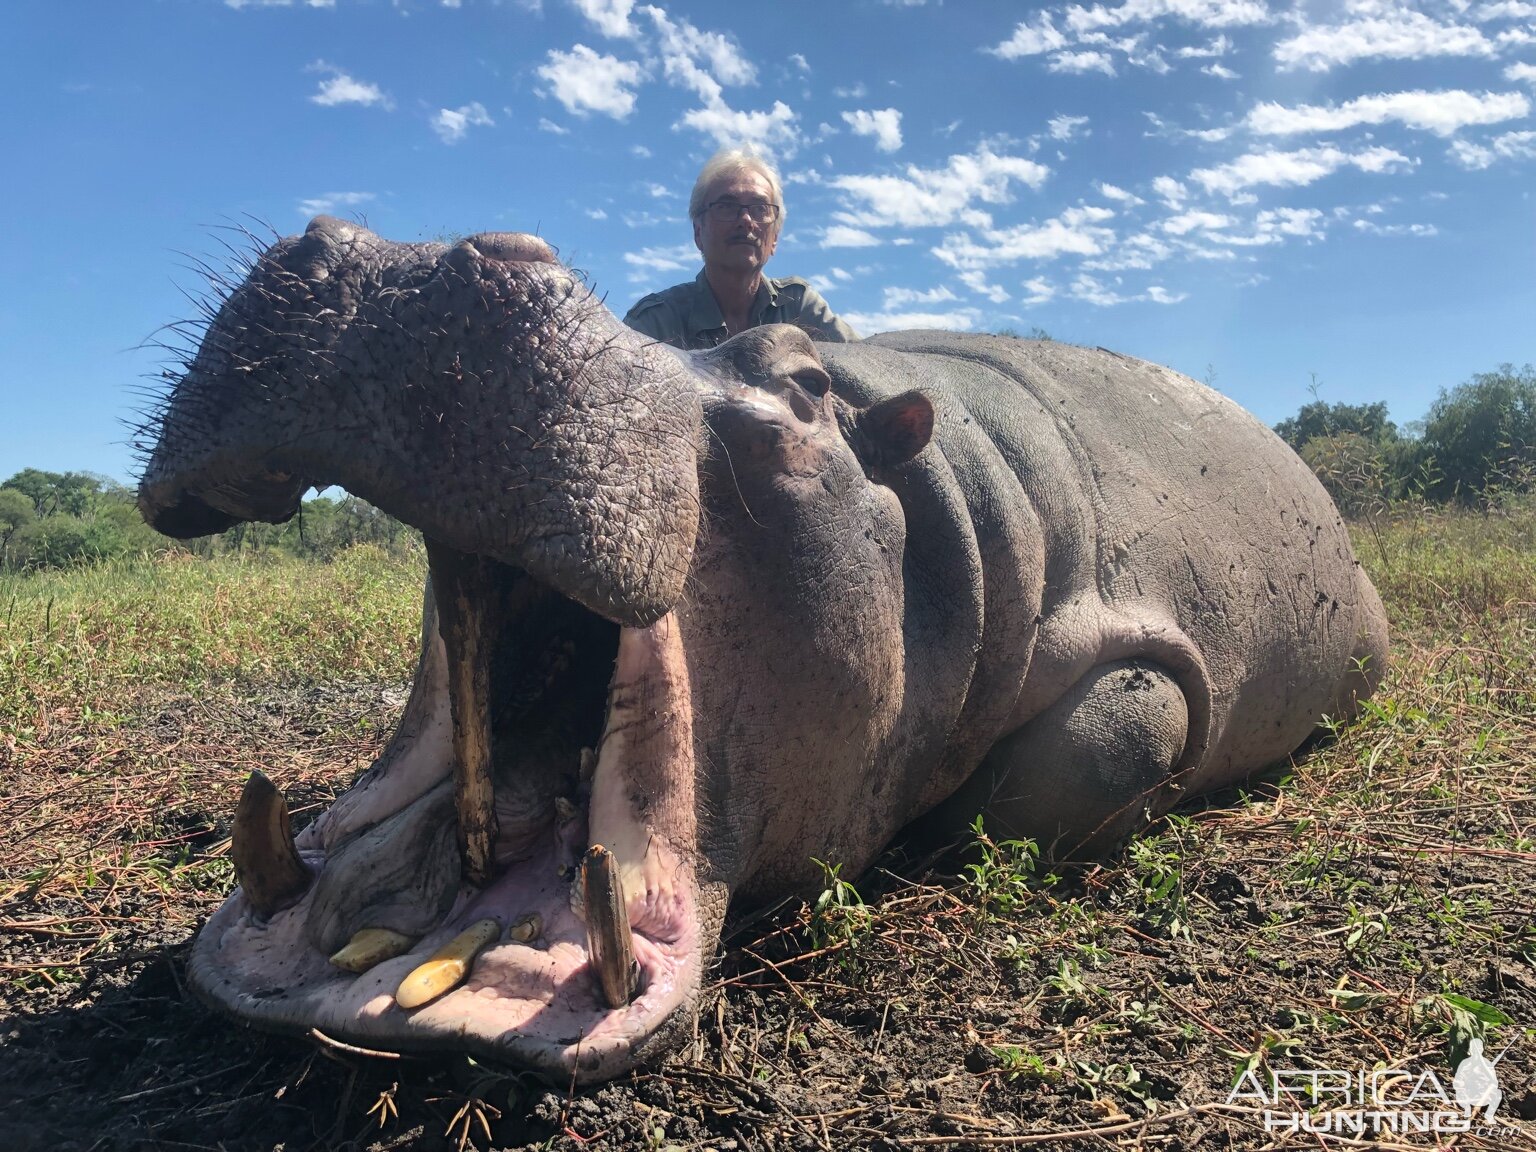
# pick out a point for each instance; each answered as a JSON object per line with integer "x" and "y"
{"x": 813, "y": 379}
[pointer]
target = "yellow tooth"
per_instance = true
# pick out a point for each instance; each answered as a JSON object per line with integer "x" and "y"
{"x": 610, "y": 941}
{"x": 370, "y": 946}
{"x": 565, "y": 810}
{"x": 448, "y": 967}
{"x": 527, "y": 930}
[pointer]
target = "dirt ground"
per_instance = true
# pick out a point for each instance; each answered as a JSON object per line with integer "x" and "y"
{"x": 1373, "y": 910}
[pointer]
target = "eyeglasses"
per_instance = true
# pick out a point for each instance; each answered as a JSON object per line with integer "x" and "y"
{"x": 759, "y": 212}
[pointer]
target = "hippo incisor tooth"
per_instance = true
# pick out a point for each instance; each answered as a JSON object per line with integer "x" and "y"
{"x": 261, "y": 845}
{"x": 448, "y": 967}
{"x": 610, "y": 943}
{"x": 526, "y": 930}
{"x": 370, "y": 946}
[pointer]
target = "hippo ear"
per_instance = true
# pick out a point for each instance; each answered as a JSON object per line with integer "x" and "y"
{"x": 892, "y": 431}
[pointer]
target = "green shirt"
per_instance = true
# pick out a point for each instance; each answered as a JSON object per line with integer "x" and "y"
{"x": 687, "y": 316}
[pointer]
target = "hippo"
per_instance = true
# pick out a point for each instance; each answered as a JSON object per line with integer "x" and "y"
{"x": 696, "y": 621}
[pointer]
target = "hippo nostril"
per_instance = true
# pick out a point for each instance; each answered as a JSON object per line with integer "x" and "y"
{"x": 512, "y": 246}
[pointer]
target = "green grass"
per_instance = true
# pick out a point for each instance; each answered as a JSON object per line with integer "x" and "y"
{"x": 1368, "y": 904}
{"x": 90, "y": 639}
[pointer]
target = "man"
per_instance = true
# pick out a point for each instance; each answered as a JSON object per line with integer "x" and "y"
{"x": 737, "y": 209}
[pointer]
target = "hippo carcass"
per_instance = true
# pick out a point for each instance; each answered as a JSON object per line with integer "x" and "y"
{"x": 719, "y": 613}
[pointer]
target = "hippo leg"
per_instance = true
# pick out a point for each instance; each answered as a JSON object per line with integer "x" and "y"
{"x": 1083, "y": 773}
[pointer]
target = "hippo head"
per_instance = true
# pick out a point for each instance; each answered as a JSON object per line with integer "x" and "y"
{"x": 661, "y": 657}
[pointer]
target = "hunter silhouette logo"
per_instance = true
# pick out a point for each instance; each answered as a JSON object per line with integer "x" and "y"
{"x": 1476, "y": 1083}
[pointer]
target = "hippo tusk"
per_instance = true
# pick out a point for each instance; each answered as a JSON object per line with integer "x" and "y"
{"x": 267, "y": 863}
{"x": 448, "y": 967}
{"x": 464, "y": 587}
{"x": 610, "y": 941}
{"x": 370, "y": 946}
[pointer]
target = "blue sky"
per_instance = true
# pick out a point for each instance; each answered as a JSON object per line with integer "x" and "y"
{"x": 1259, "y": 193}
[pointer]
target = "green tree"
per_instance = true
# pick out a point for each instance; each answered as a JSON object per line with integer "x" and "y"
{"x": 56, "y": 493}
{"x": 1320, "y": 418}
{"x": 1482, "y": 434}
{"x": 16, "y": 511}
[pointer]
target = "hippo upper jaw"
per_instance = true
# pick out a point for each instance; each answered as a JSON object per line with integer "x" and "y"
{"x": 389, "y": 855}
{"x": 480, "y": 393}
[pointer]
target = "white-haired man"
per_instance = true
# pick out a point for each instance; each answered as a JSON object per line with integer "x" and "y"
{"x": 737, "y": 209}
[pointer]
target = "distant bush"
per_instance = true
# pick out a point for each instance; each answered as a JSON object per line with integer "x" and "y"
{"x": 65, "y": 519}
{"x": 1477, "y": 446}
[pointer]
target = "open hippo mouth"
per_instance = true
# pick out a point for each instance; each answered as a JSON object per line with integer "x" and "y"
{"x": 518, "y": 874}
{"x": 513, "y": 875}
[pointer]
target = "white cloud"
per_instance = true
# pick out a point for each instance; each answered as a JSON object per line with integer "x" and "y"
{"x": 1389, "y": 31}
{"x": 1217, "y": 47}
{"x": 976, "y": 280}
{"x": 1510, "y": 146}
{"x": 1375, "y": 229}
{"x": 1091, "y": 291}
{"x": 641, "y": 151}
{"x": 842, "y": 236}
{"x": 1031, "y": 40}
{"x": 1442, "y": 113}
{"x": 1291, "y": 169}
{"x": 1273, "y": 226}
{"x": 585, "y": 82}
{"x": 833, "y": 279}
{"x": 1187, "y": 222}
{"x": 868, "y": 323}
{"x": 1506, "y": 10}
{"x": 770, "y": 131}
{"x": 852, "y": 92}
{"x": 648, "y": 261}
{"x": 927, "y": 197}
{"x": 884, "y": 124}
{"x": 327, "y": 204}
{"x": 1521, "y": 73}
{"x": 1082, "y": 62}
{"x": 238, "y": 4}
{"x": 1172, "y": 192}
{"x": 452, "y": 124}
{"x": 1039, "y": 289}
{"x": 1203, "y": 13}
{"x": 610, "y": 17}
{"x": 895, "y": 298}
{"x": 546, "y": 125}
{"x": 1220, "y": 72}
{"x": 699, "y": 61}
{"x": 800, "y": 62}
{"x": 594, "y": 213}
{"x": 339, "y": 88}
{"x": 1110, "y": 192}
{"x": 1066, "y": 127}
{"x": 1077, "y": 231}
{"x": 659, "y": 191}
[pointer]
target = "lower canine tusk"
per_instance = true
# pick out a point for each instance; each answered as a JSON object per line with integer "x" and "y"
{"x": 370, "y": 946}
{"x": 610, "y": 942}
{"x": 267, "y": 863}
{"x": 448, "y": 967}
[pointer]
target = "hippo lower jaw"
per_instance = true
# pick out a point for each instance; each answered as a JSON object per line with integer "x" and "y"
{"x": 381, "y": 856}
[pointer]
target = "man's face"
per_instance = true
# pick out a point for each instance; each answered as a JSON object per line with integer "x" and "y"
{"x": 739, "y": 244}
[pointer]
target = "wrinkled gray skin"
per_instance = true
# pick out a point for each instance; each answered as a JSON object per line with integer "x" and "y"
{"x": 844, "y": 584}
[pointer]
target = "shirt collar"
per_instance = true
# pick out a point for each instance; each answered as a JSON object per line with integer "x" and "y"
{"x": 704, "y": 315}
